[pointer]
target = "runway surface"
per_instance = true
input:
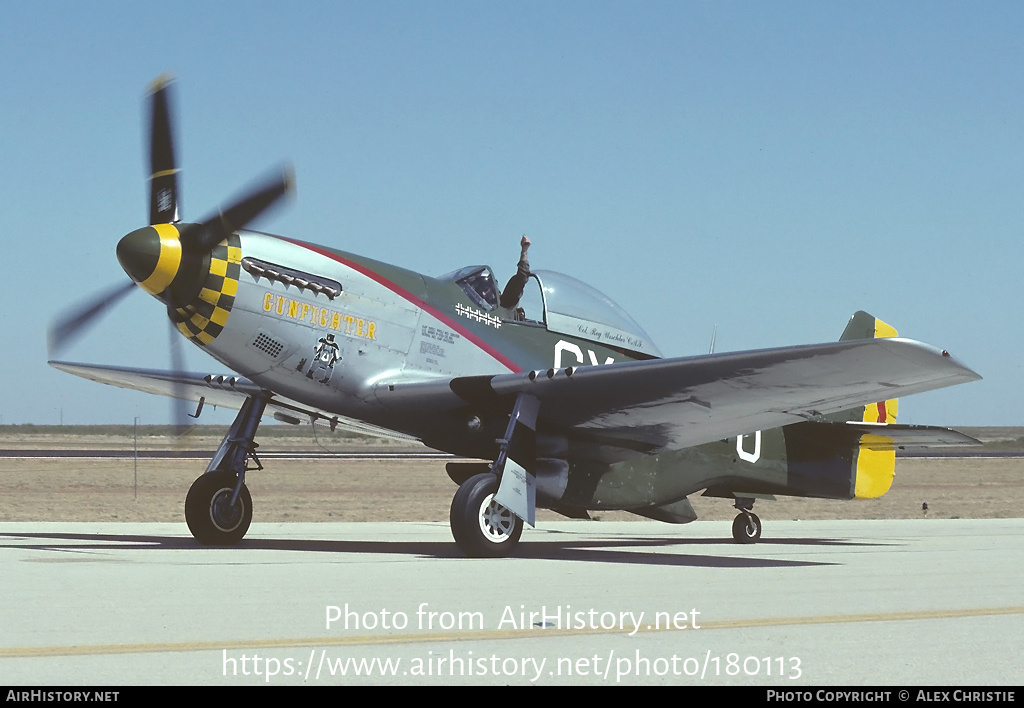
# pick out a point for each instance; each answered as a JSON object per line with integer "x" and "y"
{"x": 837, "y": 603}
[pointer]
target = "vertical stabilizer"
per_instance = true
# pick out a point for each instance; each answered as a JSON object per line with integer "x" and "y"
{"x": 865, "y": 326}
{"x": 875, "y": 465}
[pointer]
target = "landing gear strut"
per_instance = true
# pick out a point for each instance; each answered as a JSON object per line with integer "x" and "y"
{"x": 218, "y": 507}
{"x": 746, "y": 527}
{"x": 481, "y": 527}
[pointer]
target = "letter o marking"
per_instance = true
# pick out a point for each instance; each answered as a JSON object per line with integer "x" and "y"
{"x": 749, "y": 456}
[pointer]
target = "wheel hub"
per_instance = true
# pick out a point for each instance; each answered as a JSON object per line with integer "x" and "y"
{"x": 225, "y": 516}
{"x": 496, "y": 521}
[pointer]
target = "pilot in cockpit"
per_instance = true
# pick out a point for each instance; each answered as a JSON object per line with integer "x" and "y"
{"x": 517, "y": 283}
{"x": 481, "y": 284}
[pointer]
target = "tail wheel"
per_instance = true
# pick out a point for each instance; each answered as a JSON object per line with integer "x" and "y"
{"x": 481, "y": 527}
{"x": 211, "y": 517}
{"x": 746, "y": 528}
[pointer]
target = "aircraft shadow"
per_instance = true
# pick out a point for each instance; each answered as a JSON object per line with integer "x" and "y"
{"x": 628, "y": 551}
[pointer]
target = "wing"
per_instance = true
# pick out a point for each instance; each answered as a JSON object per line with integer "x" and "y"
{"x": 228, "y": 391}
{"x": 667, "y": 404}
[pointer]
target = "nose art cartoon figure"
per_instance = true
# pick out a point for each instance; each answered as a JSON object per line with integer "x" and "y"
{"x": 324, "y": 357}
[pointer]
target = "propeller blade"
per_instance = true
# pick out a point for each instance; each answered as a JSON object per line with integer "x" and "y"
{"x": 218, "y": 227}
{"x": 163, "y": 170}
{"x": 67, "y": 328}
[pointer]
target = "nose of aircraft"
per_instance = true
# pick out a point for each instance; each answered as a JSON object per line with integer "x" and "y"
{"x": 151, "y": 256}
{"x": 154, "y": 258}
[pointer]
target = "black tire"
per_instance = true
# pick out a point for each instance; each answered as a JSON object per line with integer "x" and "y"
{"x": 207, "y": 514}
{"x": 481, "y": 527}
{"x": 746, "y": 528}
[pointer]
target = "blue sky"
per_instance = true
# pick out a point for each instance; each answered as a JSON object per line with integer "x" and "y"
{"x": 766, "y": 168}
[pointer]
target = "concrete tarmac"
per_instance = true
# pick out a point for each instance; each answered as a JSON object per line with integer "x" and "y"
{"x": 834, "y": 603}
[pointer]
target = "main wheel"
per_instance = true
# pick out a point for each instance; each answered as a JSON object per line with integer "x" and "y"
{"x": 746, "y": 528}
{"x": 209, "y": 514}
{"x": 481, "y": 527}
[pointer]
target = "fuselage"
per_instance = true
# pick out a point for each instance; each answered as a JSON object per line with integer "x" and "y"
{"x": 326, "y": 327}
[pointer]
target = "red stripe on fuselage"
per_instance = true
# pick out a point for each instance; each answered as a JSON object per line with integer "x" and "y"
{"x": 406, "y": 295}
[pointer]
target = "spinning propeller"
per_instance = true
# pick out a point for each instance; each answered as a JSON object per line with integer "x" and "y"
{"x": 169, "y": 259}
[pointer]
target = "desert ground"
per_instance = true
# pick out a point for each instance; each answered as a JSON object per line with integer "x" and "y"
{"x": 148, "y": 489}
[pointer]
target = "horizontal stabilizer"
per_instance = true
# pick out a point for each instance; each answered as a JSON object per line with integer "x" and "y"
{"x": 906, "y": 437}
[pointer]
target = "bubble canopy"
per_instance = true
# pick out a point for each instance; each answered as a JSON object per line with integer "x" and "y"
{"x": 570, "y": 307}
{"x": 575, "y": 308}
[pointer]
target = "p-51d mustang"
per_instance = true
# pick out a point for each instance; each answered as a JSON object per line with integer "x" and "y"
{"x": 567, "y": 395}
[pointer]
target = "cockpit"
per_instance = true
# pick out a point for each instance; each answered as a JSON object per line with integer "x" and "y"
{"x": 478, "y": 283}
{"x": 560, "y": 303}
